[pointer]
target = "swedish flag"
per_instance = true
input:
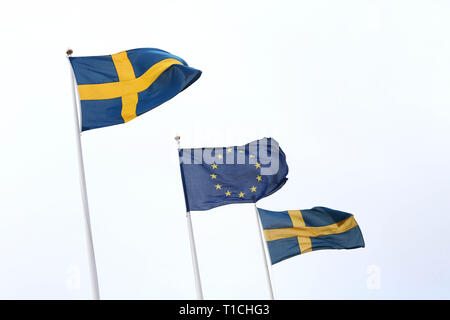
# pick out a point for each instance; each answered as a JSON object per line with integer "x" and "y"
{"x": 293, "y": 232}
{"x": 117, "y": 88}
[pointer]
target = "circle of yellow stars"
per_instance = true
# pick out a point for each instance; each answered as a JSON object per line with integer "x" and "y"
{"x": 228, "y": 192}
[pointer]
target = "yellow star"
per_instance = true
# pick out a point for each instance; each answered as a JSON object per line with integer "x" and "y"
{"x": 241, "y": 195}
{"x": 218, "y": 186}
{"x": 214, "y": 166}
{"x": 241, "y": 151}
{"x": 258, "y": 165}
{"x": 219, "y": 156}
{"x": 252, "y": 156}
{"x": 229, "y": 150}
{"x": 258, "y": 178}
{"x": 213, "y": 176}
{"x": 228, "y": 193}
{"x": 253, "y": 188}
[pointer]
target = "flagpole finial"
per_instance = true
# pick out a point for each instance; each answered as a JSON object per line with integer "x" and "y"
{"x": 69, "y": 52}
{"x": 177, "y": 139}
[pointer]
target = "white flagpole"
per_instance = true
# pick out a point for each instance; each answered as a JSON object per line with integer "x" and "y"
{"x": 87, "y": 220}
{"x": 198, "y": 284}
{"x": 264, "y": 248}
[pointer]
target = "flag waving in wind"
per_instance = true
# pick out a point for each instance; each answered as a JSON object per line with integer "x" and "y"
{"x": 117, "y": 88}
{"x": 215, "y": 177}
{"x": 293, "y": 232}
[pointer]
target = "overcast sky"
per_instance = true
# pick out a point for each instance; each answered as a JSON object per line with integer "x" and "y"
{"x": 355, "y": 92}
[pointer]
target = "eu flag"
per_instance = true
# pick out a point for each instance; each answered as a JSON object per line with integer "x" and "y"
{"x": 117, "y": 88}
{"x": 215, "y": 177}
{"x": 293, "y": 232}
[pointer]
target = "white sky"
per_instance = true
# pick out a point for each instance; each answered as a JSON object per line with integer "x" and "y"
{"x": 356, "y": 93}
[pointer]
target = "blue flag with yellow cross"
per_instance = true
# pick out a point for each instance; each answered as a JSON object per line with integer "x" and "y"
{"x": 117, "y": 88}
{"x": 293, "y": 232}
{"x": 214, "y": 177}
